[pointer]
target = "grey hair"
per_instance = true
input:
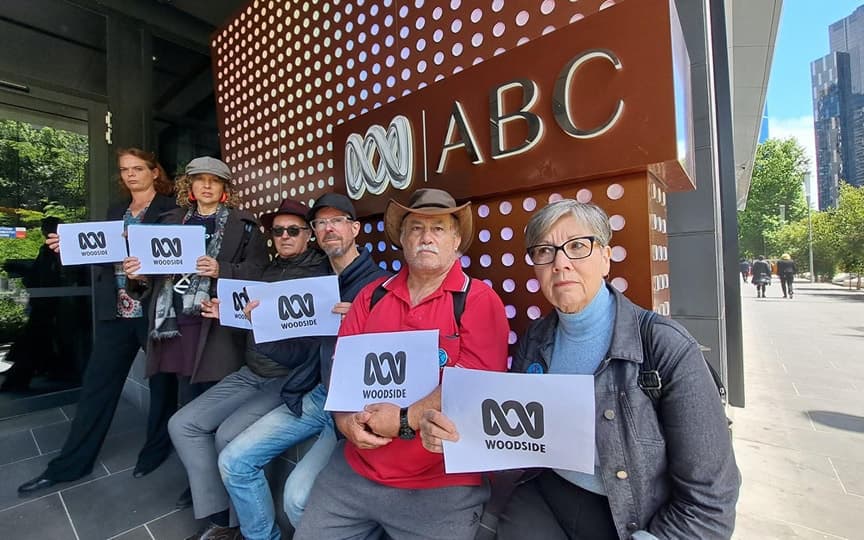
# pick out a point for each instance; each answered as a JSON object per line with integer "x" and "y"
{"x": 589, "y": 214}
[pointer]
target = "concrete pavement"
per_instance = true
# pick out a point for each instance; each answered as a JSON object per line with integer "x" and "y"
{"x": 800, "y": 439}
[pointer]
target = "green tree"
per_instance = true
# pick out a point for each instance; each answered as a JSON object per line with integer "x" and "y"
{"x": 849, "y": 227}
{"x": 793, "y": 238}
{"x": 778, "y": 172}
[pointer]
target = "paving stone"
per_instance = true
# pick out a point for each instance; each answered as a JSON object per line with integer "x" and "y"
{"x": 15, "y": 474}
{"x": 28, "y": 421}
{"x": 176, "y": 525}
{"x": 17, "y": 446}
{"x": 43, "y": 518}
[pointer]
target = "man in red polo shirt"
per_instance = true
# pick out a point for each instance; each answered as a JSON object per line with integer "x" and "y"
{"x": 381, "y": 479}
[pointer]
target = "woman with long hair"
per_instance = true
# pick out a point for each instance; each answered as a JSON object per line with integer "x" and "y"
{"x": 120, "y": 331}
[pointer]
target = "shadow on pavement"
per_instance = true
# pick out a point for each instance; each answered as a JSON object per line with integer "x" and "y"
{"x": 840, "y": 294}
{"x": 848, "y": 422}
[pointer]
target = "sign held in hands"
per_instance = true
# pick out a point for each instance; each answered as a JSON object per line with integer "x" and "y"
{"x": 295, "y": 308}
{"x": 233, "y": 297}
{"x": 166, "y": 249}
{"x": 92, "y": 242}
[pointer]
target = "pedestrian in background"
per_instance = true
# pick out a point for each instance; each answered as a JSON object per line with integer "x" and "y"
{"x": 744, "y": 267}
{"x": 761, "y": 275}
{"x": 786, "y": 271}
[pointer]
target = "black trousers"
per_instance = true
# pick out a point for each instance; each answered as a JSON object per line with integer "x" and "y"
{"x": 786, "y": 283}
{"x": 551, "y": 508}
{"x": 115, "y": 347}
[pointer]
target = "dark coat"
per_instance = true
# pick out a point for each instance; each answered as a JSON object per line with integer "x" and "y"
{"x": 220, "y": 348}
{"x": 104, "y": 282}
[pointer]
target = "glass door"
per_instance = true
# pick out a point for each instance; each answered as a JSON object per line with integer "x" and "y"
{"x": 45, "y": 312}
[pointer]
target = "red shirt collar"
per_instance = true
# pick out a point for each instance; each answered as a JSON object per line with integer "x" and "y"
{"x": 454, "y": 281}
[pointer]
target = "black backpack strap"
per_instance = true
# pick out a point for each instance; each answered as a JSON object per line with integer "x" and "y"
{"x": 248, "y": 227}
{"x": 459, "y": 301}
{"x": 650, "y": 380}
{"x": 458, "y": 298}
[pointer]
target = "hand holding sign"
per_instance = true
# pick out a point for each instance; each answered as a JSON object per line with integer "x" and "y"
{"x": 234, "y": 297}
{"x": 394, "y": 367}
{"x": 166, "y": 249}
{"x": 515, "y": 420}
{"x": 295, "y": 308}
{"x": 87, "y": 243}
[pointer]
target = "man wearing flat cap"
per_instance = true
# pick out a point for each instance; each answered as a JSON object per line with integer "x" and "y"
{"x": 381, "y": 479}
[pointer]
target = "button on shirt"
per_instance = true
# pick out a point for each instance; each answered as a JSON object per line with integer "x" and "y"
{"x": 480, "y": 343}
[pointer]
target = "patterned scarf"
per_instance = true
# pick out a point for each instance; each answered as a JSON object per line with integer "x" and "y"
{"x": 193, "y": 288}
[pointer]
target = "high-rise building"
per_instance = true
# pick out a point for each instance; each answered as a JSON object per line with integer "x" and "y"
{"x": 837, "y": 80}
{"x": 763, "y": 127}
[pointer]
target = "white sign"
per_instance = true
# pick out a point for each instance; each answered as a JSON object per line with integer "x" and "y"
{"x": 166, "y": 249}
{"x": 93, "y": 242}
{"x": 295, "y": 308}
{"x": 233, "y": 297}
{"x": 393, "y": 367}
{"x": 518, "y": 420}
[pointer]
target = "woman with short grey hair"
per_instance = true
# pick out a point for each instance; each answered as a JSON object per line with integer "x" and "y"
{"x": 664, "y": 466}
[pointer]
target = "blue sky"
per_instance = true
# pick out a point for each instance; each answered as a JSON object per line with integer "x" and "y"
{"x": 802, "y": 38}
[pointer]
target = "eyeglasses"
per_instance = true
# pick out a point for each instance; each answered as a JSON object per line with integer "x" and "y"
{"x": 575, "y": 248}
{"x": 292, "y": 231}
{"x": 322, "y": 223}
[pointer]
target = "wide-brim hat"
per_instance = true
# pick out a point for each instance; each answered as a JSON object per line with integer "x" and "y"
{"x": 785, "y": 257}
{"x": 286, "y": 207}
{"x": 429, "y": 202}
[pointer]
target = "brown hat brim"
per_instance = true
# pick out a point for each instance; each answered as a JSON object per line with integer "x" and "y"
{"x": 395, "y": 214}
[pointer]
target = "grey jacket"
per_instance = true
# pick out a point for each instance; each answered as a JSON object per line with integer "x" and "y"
{"x": 672, "y": 471}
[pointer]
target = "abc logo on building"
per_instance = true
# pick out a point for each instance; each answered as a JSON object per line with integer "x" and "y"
{"x": 385, "y": 368}
{"x": 381, "y": 158}
{"x": 296, "y": 306}
{"x": 528, "y": 421}
{"x": 91, "y": 240}
{"x": 166, "y": 247}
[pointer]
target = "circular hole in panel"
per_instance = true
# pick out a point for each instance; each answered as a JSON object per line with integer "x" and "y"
{"x": 522, "y": 41}
{"x": 497, "y": 5}
{"x": 576, "y": 17}
{"x": 405, "y": 53}
{"x": 555, "y": 197}
{"x": 438, "y": 35}
{"x": 547, "y": 7}
{"x": 382, "y": 265}
{"x": 529, "y": 204}
{"x": 583, "y": 196}
{"x": 617, "y": 222}
{"x": 510, "y": 311}
{"x": 620, "y": 283}
{"x": 505, "y": 208}
{"x": 454, "y": 4}
{"x": 438, "y": 58}
{"x": 477, "y": 14}
{"x": 420, "y": 23}
{"x": 404, "y": 31}
{"x": 511, "y": 338}
{"x": 483, "y": 211}
{"x": 534, "y": 313}
{"x": 380, "y": 226}
{"x": 406, "y": 74}
{"x": 498, "y": 30}
{"x": 421, "y": 66}
{"x": 382, "y": 246}
{"x": 485, "y": 260}
{"x": 484, "y": 235}
{"x": 477, "y": 39}
{"x": 456, "y": 26}
{"x": 507, "y": 233}
{"x": 619, "y": 253}
{"x": 548, "y": 29}
{"x": 615, "y": 191}
{"x": 606, "y": 4}
{"x": 507, "y": 259}
{"x": 437, "y": 13}
{"x": 532, "y": 285}
{"x": 508, "y": 285}
{"x": 457, "y": 49}
{"x": 369, "y": 247}
{"x": 522, "y": 18}
{"x": 465, "y": 261}
{"x": 396, "y": 265}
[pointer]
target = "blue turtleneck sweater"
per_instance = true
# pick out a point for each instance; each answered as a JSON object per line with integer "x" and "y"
{"x": 581, "y": 342}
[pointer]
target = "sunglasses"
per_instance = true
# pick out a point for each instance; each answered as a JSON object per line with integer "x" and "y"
{"x": 292, "y": 231}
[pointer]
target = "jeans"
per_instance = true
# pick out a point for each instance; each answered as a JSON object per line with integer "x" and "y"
{"x": 241, "y": 464}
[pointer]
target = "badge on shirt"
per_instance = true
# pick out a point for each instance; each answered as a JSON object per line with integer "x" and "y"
{"x": 442, "y": 358}
{"x": 534, "y": 367}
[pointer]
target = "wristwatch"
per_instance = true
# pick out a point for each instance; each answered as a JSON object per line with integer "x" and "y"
{"x": 405, "y": 431}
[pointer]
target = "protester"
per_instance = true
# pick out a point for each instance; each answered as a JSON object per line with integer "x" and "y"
{"x": 241, "y": 463}
{"x": 744, "y": 267}
{"x": 121, "y": 330}
{"x": 663, "y": 470}
{"x": 381, "y": 480}
{"x": 199, "y": 350}
{"x": 201, "y": 429}
{"x": 786, "y": 271}
{"x": 761, "y": 275}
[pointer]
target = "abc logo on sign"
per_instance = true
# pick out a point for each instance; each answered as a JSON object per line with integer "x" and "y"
{"x": 496, "y": 418}
{"x": 384, "y": 368}
{"x": 296, "y": 306}
{"x": 379, "y": 159}
{"x": 91, "y": 240}
{"x": 241, "y": 298}
{"x": 166, "y": 247}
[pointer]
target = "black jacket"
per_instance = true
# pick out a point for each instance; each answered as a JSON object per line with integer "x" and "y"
{"x": 104, "y": 282}
{"x": 307, "y": 374}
